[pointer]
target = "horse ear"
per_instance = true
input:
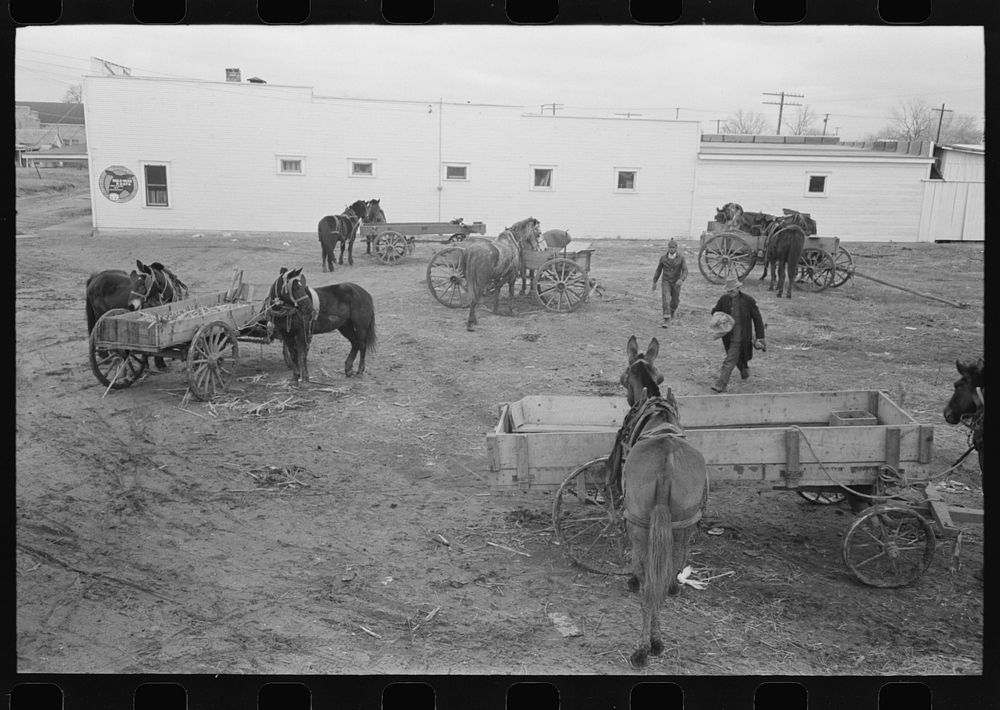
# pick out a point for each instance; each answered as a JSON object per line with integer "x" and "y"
{"x": 283, "y": 270}
{"x": 653, "y": 350}
{"x": 632, "y": 349}
{"x": 294, "y": 272}
{"x": 961, "y": 367}
{"x": 142, "y": 267}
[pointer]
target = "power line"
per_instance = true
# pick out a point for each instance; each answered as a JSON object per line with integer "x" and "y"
{"x": 781, "y": 104}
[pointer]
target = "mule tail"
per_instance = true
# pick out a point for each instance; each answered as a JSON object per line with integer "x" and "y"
{"x": 659, "y": 568}
{"x": 91, "y": 314}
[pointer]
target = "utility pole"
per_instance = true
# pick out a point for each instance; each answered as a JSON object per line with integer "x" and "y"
{"x": 677, "y": 113}
{"x": 825, "y": 119}
{"x": 718, "y": 123}
{"x": 628, "y": 114}
{"x": 781, "y": 104}
{"x": 943, "y": 110}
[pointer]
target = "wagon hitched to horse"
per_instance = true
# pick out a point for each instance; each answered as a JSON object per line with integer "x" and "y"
{"x": 560, "y": 279}
{"x": 728, "y": 252}
{"x": 394, "y": 240}
{"x": 823, "y": 445}
{"x": 201, "y": 331}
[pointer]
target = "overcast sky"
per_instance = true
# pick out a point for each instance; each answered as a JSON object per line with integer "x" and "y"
{"x": 856, "y": 74}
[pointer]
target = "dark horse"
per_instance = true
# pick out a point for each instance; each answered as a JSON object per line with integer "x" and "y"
{"x": 295, "y": 312}
{"x": 784, "y": 248}
{"x": 342, "y": 228}
{"x": 490, "y": 263}
{"x": 147, "y": 286}
{"x": 967, "y": 404}
{"x": 665, "y": 485}
{"x": 375, "y": 216}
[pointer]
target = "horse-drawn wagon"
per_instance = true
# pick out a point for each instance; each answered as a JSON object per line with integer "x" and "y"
{"x": 560, "y": 279}
{"x": 202, "y": 331}
{"x": 732, "y": 250}
{"x": 394, "y": 240}
{"x": 856, "y": 443}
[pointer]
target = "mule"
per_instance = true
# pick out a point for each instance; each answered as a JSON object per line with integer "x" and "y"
{"x": 490, "y": 263}
{"x": 341, "y": 229}
{"x": 665, "y": 485}
{"x": 967, "y": 404}
{"x": 783, "y": 251}
{"x": 375, "y": 216}
{"x": 144, "y": 287}
{"x": 295, "y": 312}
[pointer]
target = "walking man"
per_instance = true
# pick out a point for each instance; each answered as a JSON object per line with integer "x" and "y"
{"x": 740, "y": 341}
{"x": 674, "y": 270}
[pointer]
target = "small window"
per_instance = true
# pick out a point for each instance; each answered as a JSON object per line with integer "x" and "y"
{"x": 291, "y": 166}
{"x": 816, "y": 184}
{"x": 156, "y": 185}
{"x": 456, "y": 172}
{"x": 625, "y": 180}
{"x": 541, "y": 178}
{"x": 362, "y": 168}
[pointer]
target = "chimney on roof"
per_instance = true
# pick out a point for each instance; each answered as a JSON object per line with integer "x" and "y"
{"x": 233, "y": 75}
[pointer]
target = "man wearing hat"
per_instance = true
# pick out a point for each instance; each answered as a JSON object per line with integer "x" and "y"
{"x": 674, "y": 270}
{"x": 739, "y": 342}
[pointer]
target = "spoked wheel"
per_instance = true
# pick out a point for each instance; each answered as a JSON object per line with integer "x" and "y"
{"x": 391, "y": 246}
{"x": 446, "y": 280}
{"x": 114, "y": 367}
{"x": 212, "y": 359}
{"x": 843, "y": 265}
{"x": 822, "y": 497}
{"x": 816, "y": 270}
{"x": 889, "y": 546}
{"x": 588, "y": 521}
{"x": 725, "y": 256}
{"x": 561, "y": 285}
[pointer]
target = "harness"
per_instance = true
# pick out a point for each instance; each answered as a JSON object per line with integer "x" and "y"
{"x": 168, "y": 287}
{"x": 636, "y": 428}
{"x": 284, "y": 304}
{"x": 975, "y": 421}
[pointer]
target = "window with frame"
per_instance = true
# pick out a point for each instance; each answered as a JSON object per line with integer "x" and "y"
{"x": 817, "y": 184}
{"x": 156, "y": 185}
{"x": 363, "y": 168}
{"x": 288, "y": 165}
{"x": 625, "y": 179}
{"x": 541, "y": 177}
{"x": 456, "y": 171}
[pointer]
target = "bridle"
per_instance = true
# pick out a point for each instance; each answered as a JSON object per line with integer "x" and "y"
{"x": 167, "y": 286}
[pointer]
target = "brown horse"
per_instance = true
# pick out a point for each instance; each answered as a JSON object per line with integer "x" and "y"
{"x": 784, "y": 249}
{"x": 295, "y": 312}
{"x": 665, "y": 484}
{"x": 342, "y": 229}
{"x": 375, "y": 216}
{"x": 490, "y": 263}
{"x": 967, "y": 404}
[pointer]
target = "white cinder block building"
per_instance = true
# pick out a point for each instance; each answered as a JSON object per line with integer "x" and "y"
{"x": 187, "y": 155}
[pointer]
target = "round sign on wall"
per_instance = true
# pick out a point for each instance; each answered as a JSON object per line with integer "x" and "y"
{"x": 118, "y": 183}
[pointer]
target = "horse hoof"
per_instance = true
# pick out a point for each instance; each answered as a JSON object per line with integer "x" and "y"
{"x": 655, "y": 647}
{"x": 639, "y": 658}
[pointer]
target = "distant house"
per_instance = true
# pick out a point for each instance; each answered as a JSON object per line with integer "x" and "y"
{"x": 68, "y": 156}
{"x": 955, "y": 201}
{"x": 44, "y": 125}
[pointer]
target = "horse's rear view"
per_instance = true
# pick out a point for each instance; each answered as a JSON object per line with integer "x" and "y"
{"x": 665, "y": 482}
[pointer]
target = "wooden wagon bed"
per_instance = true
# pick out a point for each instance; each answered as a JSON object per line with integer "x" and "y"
{"x": 792, "y": 440}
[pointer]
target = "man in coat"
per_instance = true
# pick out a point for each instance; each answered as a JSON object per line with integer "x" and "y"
{"x": 674, "y": 270}
{"x": 747, "y": 332}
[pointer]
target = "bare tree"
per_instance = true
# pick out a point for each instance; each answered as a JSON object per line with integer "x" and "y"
{"x": 917, "y": 120}
{"x": 803, "y": 122}
{"x": 74, "y": 94}
{"x": 961, "y": 128}
{"x": 745, "y": 122}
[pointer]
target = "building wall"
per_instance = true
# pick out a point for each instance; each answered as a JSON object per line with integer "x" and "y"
{"x": 867, "y": 200}
{"x": 221, "y": 143}
{"x": 961, "y": 166}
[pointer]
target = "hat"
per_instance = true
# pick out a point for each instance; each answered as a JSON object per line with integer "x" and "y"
{"x": 732, "y": 284}
{"x": 720, "y": 324}
{"x": 671, "y": 243}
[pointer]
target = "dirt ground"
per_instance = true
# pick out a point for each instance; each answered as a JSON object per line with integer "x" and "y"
{"x": 286, "y": 530}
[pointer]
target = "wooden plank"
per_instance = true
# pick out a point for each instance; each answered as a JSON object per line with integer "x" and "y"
{"x": 793, "y": 471}
{"x": 926, "y": 444}
{"x": 892, "y": 444}
{"x": 521, "y": 457}
{"x": 889, "y": 412}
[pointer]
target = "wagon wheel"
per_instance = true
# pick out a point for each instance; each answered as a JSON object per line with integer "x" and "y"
{"x": 726, "y": 255}
{"x": 843, "y": 265}
{"x": 391, "y": 246}
{"x": 588, "y": 522}
{"x": 118, "y": 368}
{"x": 212, "y": 359}
{"x": 561, "y": 285}
{"x": 889, "y": 546}
{"x": 446, "y": 280}
{"x": 815, "y": 271}
{"x": 822, "y": 497}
